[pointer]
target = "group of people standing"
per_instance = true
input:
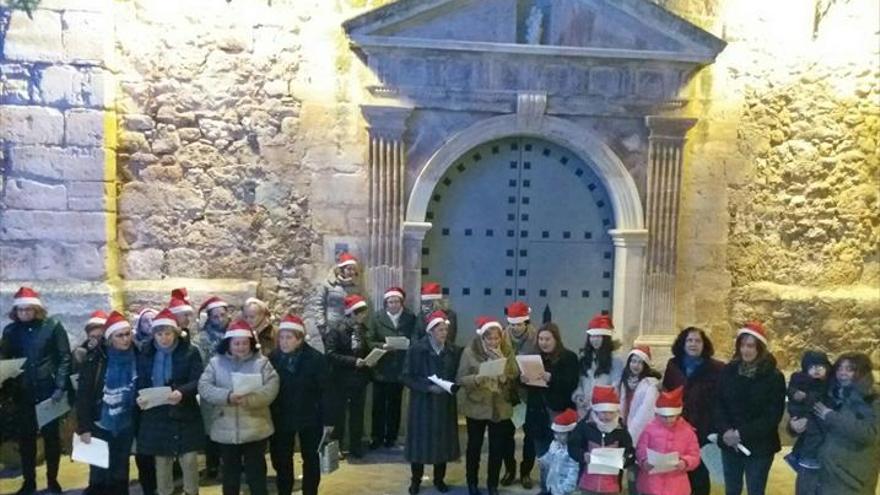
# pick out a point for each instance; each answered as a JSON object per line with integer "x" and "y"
{"x": 599, "y": 399}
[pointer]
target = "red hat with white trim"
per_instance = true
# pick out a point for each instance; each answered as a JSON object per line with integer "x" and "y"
{"x": 643, "y": 352}
{"x": 178, "y": 306}
{"x": 605, "y": 399}
{"x": 434, "y": 319}
{"x": 239, "y": 328}
{"x": 180, "y": 293}
{"x": 25, "y": 296}
{"x": 353, "y": 303}
{"x": 294, "y": 323}
{"x": 518, "y": 312}
{"x": 165, "y": 318}
{"x": 484, "y": 323}
{"x": 213, "y": 302}
{"x": 98, "y": 317}
{"x": 431, "y": 291}
{"x": 395, "y": 292}
{"x": 670, "y": 403}
{"x": 115, "y": 322}
{"x": 600, "y": 325}
{"x": 565, "y": 421}
{"x": 345, "y": 259}
{"x": 754, "y": 328}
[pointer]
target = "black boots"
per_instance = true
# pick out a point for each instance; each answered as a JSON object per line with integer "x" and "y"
{"x": 526, "y": 482}
{"x": 27, "y": 488}
{"x": 441, "y": 486}
{"x": 473, "y": 490}
{"x": 414, "y": 487}
{"x": 509, "y": 477}
{"x": 54, "y": 487}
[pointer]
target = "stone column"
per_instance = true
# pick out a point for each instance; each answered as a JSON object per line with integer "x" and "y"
{"x": 629, "y": 269}
{"x": 413, "y": 237}
{"x": 386, "y": 172}
{"x": 665, "y": 158}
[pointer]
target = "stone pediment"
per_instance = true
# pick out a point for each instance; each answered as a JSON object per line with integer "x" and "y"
{"x": 596, "y": 29}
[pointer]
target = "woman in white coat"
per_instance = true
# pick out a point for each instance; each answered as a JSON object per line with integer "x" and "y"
{"x": 597, "y": 365}
{"x": 639, "y": 388}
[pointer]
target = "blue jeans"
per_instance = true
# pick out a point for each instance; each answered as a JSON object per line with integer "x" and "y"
{"x": 756, "y": 469}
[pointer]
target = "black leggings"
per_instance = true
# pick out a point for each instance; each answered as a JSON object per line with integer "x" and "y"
{"x": 418, "y": 470}
{"x": 253, "y": 454}
{"x": 499, "y": 440}
{"x": 27, "y": 447}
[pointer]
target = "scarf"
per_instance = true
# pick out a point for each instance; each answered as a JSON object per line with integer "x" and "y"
{"x": 632, "y": 382}
{"x": 603, "y": 426}
{"x": 357, "y": 341}
{"x": 691, "y": 364}
{"x": 748, "y": 370}
{"x": 162, "y": 364}
{"x": 117, "y": 404}
{"x": 436, "y": 346}
{"x": 395, "y": 319}
{"x": 491, "y": 354}
{"x": 518, "y": 340}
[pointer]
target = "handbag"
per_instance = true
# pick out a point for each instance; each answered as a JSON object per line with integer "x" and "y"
{"x": 328, "y": 452}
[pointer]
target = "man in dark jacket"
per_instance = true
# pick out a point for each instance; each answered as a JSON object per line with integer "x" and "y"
{"x": 43, "y": 342}
{"x": 393, "y": 321}
{"x": 299, "y": 409}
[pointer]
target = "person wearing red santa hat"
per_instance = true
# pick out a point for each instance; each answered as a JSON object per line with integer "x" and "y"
{"x": 750, "y": 404}
{"x": 599, "y": 364}
{"x": 209, "y": 339}
{"x": 347, "y": 346}
{"x": 326, "y": 306}
{"x": 559, "y": 470}
{"x": 46, "y": 371}
{"x": 639, "y": 388}
{"x": 667, "y": 433}
{"x": 432, "y": 300}
{"x": 94, "y": 330}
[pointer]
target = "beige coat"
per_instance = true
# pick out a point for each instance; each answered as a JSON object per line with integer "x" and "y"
{"x": 481, "y": 398}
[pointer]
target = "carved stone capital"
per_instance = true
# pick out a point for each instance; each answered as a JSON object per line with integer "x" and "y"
{"x": 416, "y": 230}
{"x": 668, "y": 128}
{"x": 386, "y": 121}
{"x": 530, "y": 109}
{"x": 629, "y": 238}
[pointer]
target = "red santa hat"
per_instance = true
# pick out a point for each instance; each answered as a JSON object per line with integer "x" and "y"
{"x": 294, "y": 323}
{"x": 25, "y": 296}
{"x": 643, "y": 352}
{"x": 755, "y": 329}
{"x": 484, "y": 323}
{"x": 605, "y": 399}
{"x": 165, "y": 318}
{"x": 518, "y": 312}
{"x": 353, "y": 303}
{"x": 394, "y": 292}
{"x": 431, "y": 291}
{"x": 346, "y": 259}
{"x": 565, "y": 421}
{"x": 434, "y": 319}
{"x": 239, "y": 328}
{"x": 670, "y": 403}
{"x": 600, "y": 325}
{"x": 178, "y": 306}
{"x": 115, "y": 322}
{"x": 180, "y": 293}
{"x": 98, "y": 317}
{"x": 213, "y": 302}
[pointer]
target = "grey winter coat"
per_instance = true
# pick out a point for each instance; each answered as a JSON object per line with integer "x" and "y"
{"x": 326, "y": 306}
{"x": 250, "y": 421}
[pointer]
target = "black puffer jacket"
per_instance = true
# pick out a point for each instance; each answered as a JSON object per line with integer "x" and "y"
{"x": 304, "y": 377}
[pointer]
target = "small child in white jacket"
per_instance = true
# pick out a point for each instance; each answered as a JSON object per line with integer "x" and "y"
{"x": 557, "y": 467}
{"x": 639, "y": 389}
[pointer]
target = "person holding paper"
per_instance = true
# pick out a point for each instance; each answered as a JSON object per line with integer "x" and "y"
{"x": 105, "y": 404}
{"x": 639, "y": 388}
{"x": 326, "y": 306}
{"x": 601, "y": 432}
{"x": 173, "y": 430}
{"x": 394, "y": 321}
{"x": 45, "y": 374}
{"x": 431, "y": 299}
{"x": 487, "y": 401}
{"x": 432, "y": 426}
{"x": 241, "y": 423}
{"x": 751, "y": 402}
{"x": 299, "y": 410}
{"x": 347, "y": 346}
{"x": 94, "y": 330}
{"x": 598, "y": 363}
{"x": 670, "y": 434}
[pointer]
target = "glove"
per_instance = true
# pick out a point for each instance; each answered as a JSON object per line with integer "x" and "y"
{"x": 57, "y": 395}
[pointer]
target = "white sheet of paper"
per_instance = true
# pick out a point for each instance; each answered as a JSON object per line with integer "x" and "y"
{"x": 245, "y": 383}
{"x": 397, "y": 343}
{"x": 11, "y": 368}
{"x": 492, "y": 368}
{"x": 96, "y": 452}
{"x": 662, "y": 462}
{"x": 374, "y": 356}
{"x": 74, "y": 381}
{"x": 49, "y": 410}
{"x": 155, "y": 396}
{"x": 605, "y": 460}
{"x": 532, "y": 367}
{"x": 444, "y": 384}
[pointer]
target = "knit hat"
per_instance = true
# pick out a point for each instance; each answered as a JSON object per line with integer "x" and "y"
{"x": 346, "y": 259}
{"x": 115, "y": 322}
{"x": 600, "y": 325}
{"x": 25, "y": 296}
{"x": 605, "y": 399}
{"x": 293, "y": 323}
{"x": 213, "y": 302}
{"x": 434, "y": 319}
{"x": 484, "y": 323}
{"x": 814, "y": 358}
{"x": 178, "y": 306}
{"x": 394, "y": 292}
{"x": 98, "y": 317}
{"x": 165, "y": 318}
{"x": 353, "y": 303}
{"x": 670, "y": 403}
{"x": 239, "y": 328}
{"x": 643, "y": 352}
{"x": 754, "y": 328}
{"x": 431, "y": 291}
{"x": 518, "y": 312}
{"x": 565, "y": 421}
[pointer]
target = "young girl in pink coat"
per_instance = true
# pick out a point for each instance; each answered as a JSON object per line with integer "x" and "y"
{"x": 668, "y": 433}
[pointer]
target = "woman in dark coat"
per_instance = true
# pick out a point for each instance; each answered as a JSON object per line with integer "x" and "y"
{"x": 45, "y": 373}
{"x": 174, "y": 430}
{"x": 544, "y": 403}
{"x": 693, "y": 368}
{"x": 751, "y": 401}
{"x": 299, "y": 409}
{"x": 432, "y": 427}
